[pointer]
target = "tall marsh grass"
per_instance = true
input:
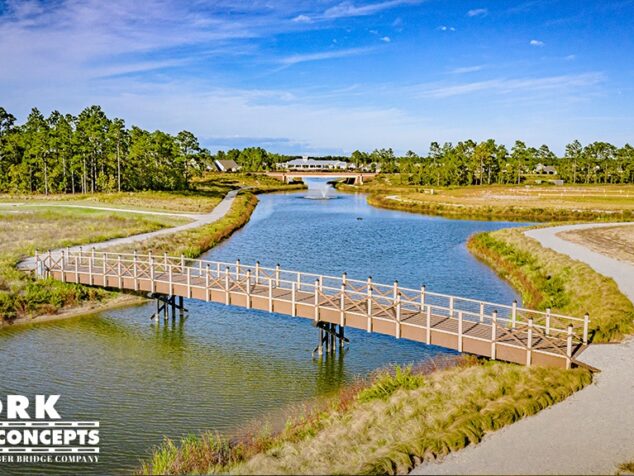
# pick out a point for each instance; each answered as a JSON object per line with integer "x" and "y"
{"x": 398, "y": 419}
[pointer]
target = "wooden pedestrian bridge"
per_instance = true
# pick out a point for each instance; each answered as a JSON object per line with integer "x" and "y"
{"x": 497, "y": 331}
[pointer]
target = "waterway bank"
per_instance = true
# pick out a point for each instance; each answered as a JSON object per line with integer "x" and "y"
{"x": 236, "y": 365}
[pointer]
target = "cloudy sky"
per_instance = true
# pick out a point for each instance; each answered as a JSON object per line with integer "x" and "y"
{"x": 323, "y": 76}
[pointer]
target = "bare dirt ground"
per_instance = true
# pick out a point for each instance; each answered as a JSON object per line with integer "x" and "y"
{"x": 616, "y": 242}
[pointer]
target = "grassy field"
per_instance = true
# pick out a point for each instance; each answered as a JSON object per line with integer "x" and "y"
{"x": 387, "y": 425}
{"x": 24, "y": 230}
{"x": 549, "y": 279}
{"x": 616, "y": 242}
{"x": 206, "y": 193}
{"x": 194, "y": 242}
{"x": 525, "y": 202}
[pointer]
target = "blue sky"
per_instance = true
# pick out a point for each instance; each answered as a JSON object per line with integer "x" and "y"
{"x": 330, "y": 76}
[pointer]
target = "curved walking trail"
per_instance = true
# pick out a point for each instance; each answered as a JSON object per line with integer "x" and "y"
{"x": 199, "y": 220}
{"x": 592, "y": 431}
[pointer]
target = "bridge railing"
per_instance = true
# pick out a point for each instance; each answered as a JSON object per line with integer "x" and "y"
{"x": 385, "y": 297}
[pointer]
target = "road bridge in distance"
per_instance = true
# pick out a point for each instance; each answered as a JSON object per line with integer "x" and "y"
{"x": 333, "y": 303}
{"x": 289, "y": 176}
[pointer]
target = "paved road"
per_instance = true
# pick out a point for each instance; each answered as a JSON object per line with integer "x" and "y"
{"x": 589, "y": 433}
{"x": 216, "y": 214}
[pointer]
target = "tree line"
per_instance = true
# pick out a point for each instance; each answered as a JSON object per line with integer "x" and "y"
{"x": 479, "y": 163}
{"x": 91, "y": 153}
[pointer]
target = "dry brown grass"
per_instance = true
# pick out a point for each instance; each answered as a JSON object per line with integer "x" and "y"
{"x": 626, "y": 468}
{"x": 616, "y": 242}
{"x": 525, "y": 202}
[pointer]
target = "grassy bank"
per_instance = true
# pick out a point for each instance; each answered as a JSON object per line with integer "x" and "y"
{"x": 23, "y": 231}
{"x": 503, "y": 202}
{"x": 384, "y": 426}
{"x": 192, "y": 243}
{"x": 549, "y": 279}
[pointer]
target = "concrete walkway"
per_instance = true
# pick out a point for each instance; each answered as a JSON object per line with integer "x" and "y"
{"x": 199, "y": 220}
{"x": 592, "y": 432}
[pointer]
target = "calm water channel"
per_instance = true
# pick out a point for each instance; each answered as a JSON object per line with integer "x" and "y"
{"x": 225, "y": 366}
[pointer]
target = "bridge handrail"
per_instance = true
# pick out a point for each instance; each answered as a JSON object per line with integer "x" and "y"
{"x": 409, "y": 298}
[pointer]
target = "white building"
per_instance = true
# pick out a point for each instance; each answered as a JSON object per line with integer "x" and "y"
{"x": 315, "y": 164}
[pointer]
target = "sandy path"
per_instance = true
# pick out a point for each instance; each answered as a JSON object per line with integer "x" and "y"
{"x": 192, "y": 216}
{"x": 591, "y": 432}
{"x": 216, "y": 214}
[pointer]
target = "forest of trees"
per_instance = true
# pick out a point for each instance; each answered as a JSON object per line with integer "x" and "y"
{"x": 92, "y": 153}
{"x": 473, "y": 163}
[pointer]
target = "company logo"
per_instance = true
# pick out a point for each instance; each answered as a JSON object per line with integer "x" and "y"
{"x": 34, "y": 432}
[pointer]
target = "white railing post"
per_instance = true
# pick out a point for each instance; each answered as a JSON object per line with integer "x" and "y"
{"x": 170, "y": 278}
{"x": 189, "y": 282}
{"x": 569, "y": 347}
{"x": 76, "y": 267}
{"x": 257, "y": 272}
{"x": 459, "y": 331}
{"x": 91, "y": 265}
{"x": 428, "y": 325}
{"x": 150, "y": 260}
{"x": 81, "y": 255}
{"x": 395, "y": 290}
{"x": 104, "y": 268}
{"x": 62, "y": 268}
{"x": 227, "y": 297}
{"x": 422, "y": 298}
{"x": 451, "y": 306}
{"x": 277, "y": 275}
{"x": 299, "y": 281}
{"x": 514, "y": 314}
{"x": 494, "y": 320}
{"x": 165, "y": 260}
{"x": 370, "y": 304}
{"x": 316, "y": 304}
{"x": 37, "y": 264}
{"x": 293, "y": 298}
{"x": 248, "y": 289}
{"x": 529, "y": 344}
{"x": 237, "y": 270}
{"x": 207, "y": 290}
{"x": 218, "y": 269}
{"x": 547, "y": 330}
{"x": 321, "y": 283}
{"x": 586, "y": 321}
{"x": 398, "y": 315}
{"x": 200, "y": 267}
{"x": 119, "y": 271}
{"x": 270, "y": 295}
{"x": 182, "y": 263}
{"x": 342, "y": 303}
{"x": 135, "y": 271}
{"x": 481, "y": 312}
{"x": 344, "y": 278}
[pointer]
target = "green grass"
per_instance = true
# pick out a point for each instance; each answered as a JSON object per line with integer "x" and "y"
{"x": 549, "y": 279}
{"x": 192, "y": 243}
{"x": 403, "y": 417}
{"x": 24, "y": 231}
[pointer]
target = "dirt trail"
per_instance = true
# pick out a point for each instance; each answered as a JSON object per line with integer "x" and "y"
{"x": 591, "y": 432}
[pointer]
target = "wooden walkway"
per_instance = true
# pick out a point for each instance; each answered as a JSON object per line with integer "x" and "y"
{"x": 497, "y": 331}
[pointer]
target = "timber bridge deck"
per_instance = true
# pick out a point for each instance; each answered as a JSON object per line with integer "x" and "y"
{"x": 497, "y": 331}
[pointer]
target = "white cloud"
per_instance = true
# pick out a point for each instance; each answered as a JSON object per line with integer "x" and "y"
{"x": 302, "y": 19}
{"x": 467, "y": 69}
{"x": 537, "y": 43}
{"x": 477, "y": 12}
{"x": 349, "y": 9}
{"x": 504, "y": 86}
{"x": 446, "y": 28}
{"x": 570, "y": 57}
{"x": 322, "y": 55}
{"x": 386, "y": 39}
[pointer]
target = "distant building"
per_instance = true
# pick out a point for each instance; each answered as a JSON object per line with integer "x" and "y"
{"x": 306, "y": 163}
{"x": 227, "y": 165}
{"x": 545, "y": 169}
